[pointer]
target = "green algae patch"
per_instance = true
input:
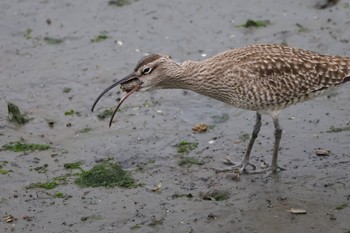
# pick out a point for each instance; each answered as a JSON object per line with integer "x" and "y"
{"x": 27, "y": 35}
{"x": 189, "y": 161}
{"x": 216, "y": 195}
{"x": 51, "y": 40}
{"x": 119, "y": 3}
{"x": 341, "y": 206}
{"x": 58, "y": 195}
{"x": 333, "y": 129}
{"x": 105, "y": 114}
{"x": 91, "y": 218}
{"x": 244, "y": 136}
{"x": 51, "y": 184}
{"x": 4, "y": 172}
{"x": 15, "y": 114}
{"x": 255, "y": 23}
{"x": 47, "y": 185}
{"x": 185, "y": 147}
{"x": 106, "y": 174}
{"x": 61, "y": 180}
{"x": 84, "y": 130}
{"x": 69, "y": 113}
{"x": 66, "y": 90}
{"x": 101, "y": 37}
{"x": 301, "y": 28}
{"x": 176, "y": 195}
{"x": 135, "y": 227}
{"x": 72, "y": 166}
{"x": 24, "y": 147}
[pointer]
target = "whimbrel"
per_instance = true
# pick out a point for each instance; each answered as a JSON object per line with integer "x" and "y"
{"x": 261, "y": 78}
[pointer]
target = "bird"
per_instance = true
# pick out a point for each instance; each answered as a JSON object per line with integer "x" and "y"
{"x": 265, "y": 78}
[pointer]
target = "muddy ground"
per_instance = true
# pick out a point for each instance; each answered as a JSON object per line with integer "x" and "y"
{"x": 34, "y": 72}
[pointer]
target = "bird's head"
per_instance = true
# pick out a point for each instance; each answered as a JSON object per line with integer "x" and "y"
{"x": 151, "y": 72}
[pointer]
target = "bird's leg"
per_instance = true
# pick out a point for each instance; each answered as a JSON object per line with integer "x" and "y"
{"x": 256, "y": 130}
{"x": 241, "y": 166}
{"x": 274, "y": 166}
{"x": 278, "y": 135}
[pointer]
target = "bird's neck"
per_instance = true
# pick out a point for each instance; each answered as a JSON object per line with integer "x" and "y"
{"x": 200, "y": 77}
{"x": 190, "y": 75}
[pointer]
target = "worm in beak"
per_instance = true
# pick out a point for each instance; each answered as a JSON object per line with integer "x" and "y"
{"x": 129, "y": 85}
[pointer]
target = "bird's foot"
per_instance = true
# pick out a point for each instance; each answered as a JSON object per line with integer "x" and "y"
{"x": 274, "y": 170}
{"x": 240, "y": 168}
{"x": 235, "y": 166}
{"x": 267, "y": 170}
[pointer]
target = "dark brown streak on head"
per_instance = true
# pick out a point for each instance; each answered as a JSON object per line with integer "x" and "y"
{"x": 146, "y": 60}
{"x": 346, "y": 79}
{"x": 133, "y": 87}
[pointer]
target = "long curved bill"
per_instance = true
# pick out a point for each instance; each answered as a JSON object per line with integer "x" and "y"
{"x": 124, "y": 80}
{"x": 124, "y": 97}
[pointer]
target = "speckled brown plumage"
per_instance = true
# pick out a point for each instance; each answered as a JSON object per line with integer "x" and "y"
{"x": 261, "y": 78}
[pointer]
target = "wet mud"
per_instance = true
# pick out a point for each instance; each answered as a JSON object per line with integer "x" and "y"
{"x": 57, "y": 56}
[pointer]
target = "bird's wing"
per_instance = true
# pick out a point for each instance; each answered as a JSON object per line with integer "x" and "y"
{"x": 297, "y": 74}
{"x": 278, "y": 78}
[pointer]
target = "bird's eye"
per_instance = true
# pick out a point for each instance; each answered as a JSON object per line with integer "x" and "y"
{"x": 146, "y": 70}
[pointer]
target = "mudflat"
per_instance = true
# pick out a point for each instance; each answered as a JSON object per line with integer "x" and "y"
{"x": 57, "y": 56}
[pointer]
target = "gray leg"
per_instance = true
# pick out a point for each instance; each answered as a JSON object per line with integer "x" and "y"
{"x": 245, "y": 161}
{"x": 256, "y": 129}
{"x": 278, "y": 135}
{"x": 241, "y": 166}
{"x": 274, "y": 166}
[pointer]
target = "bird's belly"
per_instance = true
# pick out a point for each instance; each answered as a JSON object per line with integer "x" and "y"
{"x": 269, "y": 103}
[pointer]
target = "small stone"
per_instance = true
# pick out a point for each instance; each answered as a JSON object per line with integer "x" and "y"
{"x": 120, "y": 43}
{"x": 322, "y": 152}
{"x": 296, "y": 211}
